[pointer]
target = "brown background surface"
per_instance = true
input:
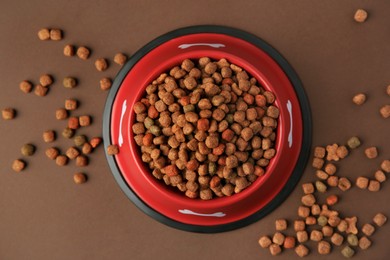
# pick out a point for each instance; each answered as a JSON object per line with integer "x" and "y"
{"x": 44, "y": 215}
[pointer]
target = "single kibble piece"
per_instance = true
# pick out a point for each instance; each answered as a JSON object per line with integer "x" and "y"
{"x": 368, "y": 229}
{"x": 380, "y": 176}
{"x": 45, "y": 80}
{"x": 333, "y": 181}
{"x": 320, "y": 186}
{"x": 359, "y": 99}
{"x": 324, "y": 247}
{"x": 315, "y": 210}
{"x": 83, "y": 53}
{"x": 327, "y": 231}
{"x": 275, "y": 249}
{"x": 332, "y": 152}
{"x": 385, "y": 111}
{"x": 49, "y": 136}
{"x": 289, "y": 242}
{"x": 351, "y": 225}
{"x": 18, "y": 165}
{"x": 44, "y": 34}
{"x": 79, "y": 178}
{"x": 344, "y": 184}
{"x": 101, "y": 64}
{"x": 308, "y": 188}
{"x": 61, "y": 160}
{"x": 352, "y": 240}
{"x": 73, "y": 122}
{"x": 85, "y": 120}
{"x": 302, "y": 236}
{"x": 27, "y": 150}
{"x": 68, "y": 133}
{"x": 342, "y": 226}
{"x": 364, "y": 242}
{"x": 374, "y": 185}
{"x": 334, "y": 220}
{"x": 332, "y": 199}
{"x": 347, "y": 252}
{"x": 371, "y": 152}
{"x": 120, "y": 58}
{"x": 337, "y": 239}
{"x": 105, "y": 84}
{"x": 308, "y": 200}
{"x": 71, "y": 104}
{"x": 8, "y": 113}
{"x": 265, "y": 242}
{"x": 322, "y": 221}
{"x": 303, "y": 211}
{"x": 61, "y": 114}
{"x": 342, "y": 152}
{"x": 72, "y": 153}
{"x": 69, "y": 50}
{"x": 95, "y": 141}
{"x": 360, "y": 15}
{"x": 79, "y": 140}
{"x": 301, "y": 250}
{"x": 112, "y": 149}
{"x": 55, "y": 34}
{"x": 385, "y": 166}
{"x": 280, "y": 224}
{"x": 69, "y": 82}
{"x": 318, "y": 163}
{"x": 278, "y": 238}
{"x": 319, "y": 152}
{"x": 299, "y": 225}
{"x": 388, "y": 90}
{"x": 353, "y": 142}
{"x": 40, "y": 90}
{"x": 81, "y": 161}
{"x": 86, "y": 149}
{"x": 316, "y": 235}
{"x": 52, "y": 153}
{"x": 310, "y": 220}
{"x": 25, "y": 86}
{"x": 380, "y": 219}
{"x": 362, "y": 182}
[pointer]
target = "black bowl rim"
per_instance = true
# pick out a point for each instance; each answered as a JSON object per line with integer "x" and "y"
{"x": 306, "y": 120}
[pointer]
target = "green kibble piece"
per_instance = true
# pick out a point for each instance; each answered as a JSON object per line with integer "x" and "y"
{"x": 353, "y": 240}
{"x": 347, "y": 252}
{"x": 28, "y": 150}
{"x": 320, "y": 186}
{"x": 229, "y": 118}
{"x": 68, "y": 133}
{"x": 189, "y": 108}
{"x": 148, "y": 122}
{"x": 69, "y": 82}
{"x": 322, "y": 221}
{"x": 212, "y": 168}
{"x": 80, "y": 140}
{"x": 353, "y": 142}
{"x": 155, "y": 130}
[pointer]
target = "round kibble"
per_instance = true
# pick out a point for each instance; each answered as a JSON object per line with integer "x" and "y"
{"x": 289, "y": 242}
{"x": 352, "y": 240}
{"x": 105, "y": 84}
{"x": 302, "y": 236}
{"x": 280, "y": 224}
{"x": 52, "y": 153}
{"x": 101, "y": 64}
{"x": 55, "y": 34}
{"x": 360, "y": 15}
{"x": 44, "y": 34}
{"x": 380, "y": 176}
{"x": 278, "y": 238}
{"x": 275, "y": 249}
{"x": 359, "y": 99}
{"x": 72, "y": 153}
{"x": 337, "y": 239}
{"x": 27, "y": 150}
{"x": 344, "y": 184}
{"x": 61, "y": 114}
{"x": 368, "y": 229}
{"x": 353, "y": 142}
{"x": 385, "y": 166}
{"x": 25, "y": 86}
{"x": 69, "y": 50}
{"x": 120, "y": 58}
{"x": 95, "y": 141}
{"x": 73, "y": 122}
{"x": 68, "y": 133}
{"x": 18, "y": 165}
{"x": 40, "y": 90}
{"x": 79, "y": 178}
{"x": 112, "y": 149}
{"x": 320, "y": 186}
{"x": 371, "y": 152}
{"x": 362, "y": 182}
{"x": 324, "y": 247}
{"x": 61, "y": 160}
{"x": 347, "y": 252}
{"x": 380, "y": 219}
{"x": 49, "y": 136}
{"x": 8, "y": 113}
{"x": 265, "y": 242}
{"x": 301, "y": 250}
{"x": 69, "y": 82}
{"x": 87, "y": 148}
{"x": 364, "y": 242}
{"x": 45, "y": 80}
{"x": 85, "y": 120}
{"x": 80, "y": 140}
{"x": 83, "y": 52}
{"x": 385, "y": 111}
{"x": 374, "y": 185}
{"x": 81, "y": 161}
{"x": 71, "y": 104}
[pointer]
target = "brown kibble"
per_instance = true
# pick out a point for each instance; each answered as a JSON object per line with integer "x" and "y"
{"x": 385, "y": 111}
{"x": 360, "y": 15}
{"x": 359, "y": 99}
{"x": 85, "y": 120}
{"x": 18, "y": 165}
{"x": 334, "y": 221}
{"x": 380, "y": 176}
{"x": 388, "y": 90}
{"x": 380, "y": 219}
{"x": 331, "y": 200}
{"x": 368, "y": 229}
{"x": 310, "y": 220}
{"x": 362, "y": 182}
{"x": 319, "y": 152}
{"x": 347, "y": 252}
{"x": 45, "y": 80}
{"x": 330, "y": 168}
{"x": 105, "y": 84}
{"x": 327, "y": 231}
{"x": 364, "y": 242}
{"x": 68, "y": 132}
{"x": 374, "y": 186}
{"x": 112, "y": 149}
{"x": 52, "y": 153}
{"x": 69, "y": 50}
{"x": 302, "y": 236}
{"x": 351, "y": 225}
{"x": 40, "y": 90}
{"x": 86, "y": 149}
{"x": 320, "y": 186}
{"x": 342, "y": 226}
{"x": 353, "y": 142}
{"x": 120, "y": 58}
{"x": 333, "y": 181}
{"x": 315, "y": 210}
{"x": 27, "y": 150}
{"x": 324, "y": 247}
{"x": 308, "y": 200}
{"x": 55, "y": 34}
{"x": 265, "y": 242}
{"x": 289, "y": 242}
{"x": 44, "y": 34}
{"x": 308, "y": 188}
{"x": 275, "y": 249}
{"x": 352, "y": 240}
{"x": 280, "y": 224}
{"x": 321, "y": 175}
{"x": 342, "y": 152}
{"x": 8, "y": 113}
{"x": 95, "y": 141}
{"x": 61, "y": 160}
{"x": 344, "y": 184}
{"x": 49, "y": 136}
{"x": 301, "y": 250}
{"x": 79, "y": 140}
{"x": 303, "y": 211}
{"x": 101, "y": 64}
{"x": 299, "y": 225}
{"x": 316, "y": 235}
{"x": 337, "y": 239}
{"x": 81, "y": 161}
{"x": 71, "y": 104}
{"x": 79, "y": 178}
{"x": 83, "y": 53}
{"x": 69, "y": 82}
{"x": 61, "y": 114}
{"x": 73, "y": 122}
{"x": 371, "y": 152}
{"x": 318, "y": 163}
{"x": 72, "y": 153}
{"x": 332, "y": 152}
{"x": 25, "y": 86}
{"x": 278, "y": 238}
{"x": 385, "y": 166}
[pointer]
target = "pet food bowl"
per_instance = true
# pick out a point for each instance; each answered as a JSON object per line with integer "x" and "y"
{"x": 293, "y": 137}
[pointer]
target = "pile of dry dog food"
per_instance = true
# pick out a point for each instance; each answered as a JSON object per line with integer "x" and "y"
{"x": 81, "y": 146}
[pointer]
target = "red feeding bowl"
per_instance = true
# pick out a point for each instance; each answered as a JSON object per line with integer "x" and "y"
{"x": 293, "y": 139}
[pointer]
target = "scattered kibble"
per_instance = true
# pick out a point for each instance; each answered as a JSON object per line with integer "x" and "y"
{"x": 69, "y": 82}
{"x": 385, "y": 166}
{"x": 308, "y": 188}
{"x": 52, "y": 153}
{"x": 351, "y": 225}
{"x": 83, "y": 52}
{"x": 380, "y": 176}
{"x": 308, "y": 200}
{"x": 18, "y": 165}
{"x": 347, "y": 252}
{"x": 105, "y": 84}
{"x": 374, "y": 185}
{"x": 8, "y": 113}
{"x": 368, "y": 229}
{"x": 71, "y": 104}
{"x": 25, "y": 86}
{"x": 73, "y": 122}
{"x": 388, "y": 90}
{"x": 330, "y": 168}
{"x": 359, "y": 99}
{"x": 265, "y": 242}
{"x": 85, "y": 120}
{"x": 55, "y": 34}
{"x": 324, "y": 247}
{"x": 364, "y": 242}
{"x": 27, "y": 150}
{"x": 302, "y": 236}
{"x": 86, "y": 148}
{"x": 61, "y": 160}
{"x": 303, "y": 211}
{"x": 45, "y": 80}
{"x": 320, "y": 186}
{"x": 362, "y": 182}
{"x": 316, "y": 235}
{"x": 95, "y": 141}
{"x": 327, "y": 231}
{"x": 101, "y": 64}
{"x": 371, "y": 152}
{"x": 322, "y": 221}
{"x": 61, "y": 114}
{"x": 299, "y": 225}
{"x": 318, "y": 163}
{"x": 49, "y": 136}
{"x": 69, "y": 50}
{"x": 380, "y": 219}
{"x": 385, "y": 111}
{"x": 353, "y": 142}
{"x": 360, "y": 15}
{"x": 72, "y": 153}
{"x": 352, "y": 240}
{"x": 301, "y": 250}
{"x": 79, "y": 178}
{"x": 81, "y": 161}
{"x": 44, "y": 34}
{"x": 319, "y": 152}
{"x": 278, "y": 238}
{"x": 337, "y": 239}
{"x": 275, "y": 249}
{"x": 344, "y": 184}
{"x": 331, "y": 200}
{"x": 289, "y": 242}
{"x": 68, "y": 133}
{"x": 40, "y": 90}
{"x": 79, "y": 140}
{"x": 112, "y": 149}
{"x": 120, "y": 59}
{"x": 280, "y": 224}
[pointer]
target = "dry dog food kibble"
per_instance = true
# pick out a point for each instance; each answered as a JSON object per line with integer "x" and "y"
{"x": 40, "y": 90}
{"x": 18, "y": 165}
{"x": 352, "y": 240}
{"x": 105, "y": 83}
{"x": 52, "y": 153}
{"x": 69, "y": 82}
{"x": 61, "y": 114}
{"x": 55, "y": 34}
{"x": 120, "y": 58}
{"x": 25, "y": 86}
{"x": 79, "y": 178}
{"x": 371, "y": 152}
{"x": 380, "y": 219}
{"x": 85, "y": 120}
{"x": 101, "y": 64}
{"x": 61, "y": 160}
{"x": 364, "y": 242}
{"x": 207, "y": 113}
{"x": 374, "y": 185}
{"x": 385, "y": 166}
{"x": 289, "y": 242}
{"x": 8, "y": 113}
{"x": 275, "y": 249}
{"x": 324, "y": 247}
{"x": 337, "y": 239}
{"x": 280, "y": 224}
{"x": 385, "y": 111}
{"x": 83, "y": 53}
{"x": 347, "y": 252}
{"x": 27, "y": 150}
{"x": 44, "y": 34}
{"x": 49, "y": 136}
{"x": 265, "y": 242}
{"x": 112, "y": 149}
{"x": 71, "y": 104}
{"x": 69, "y": 50}
{"x": 368, "y": 229}
{"x": 380, "y": 176}
{"x": 301, "y": 250}
{"x": 359, "y": 99}
{"x": 360, "y": 15}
